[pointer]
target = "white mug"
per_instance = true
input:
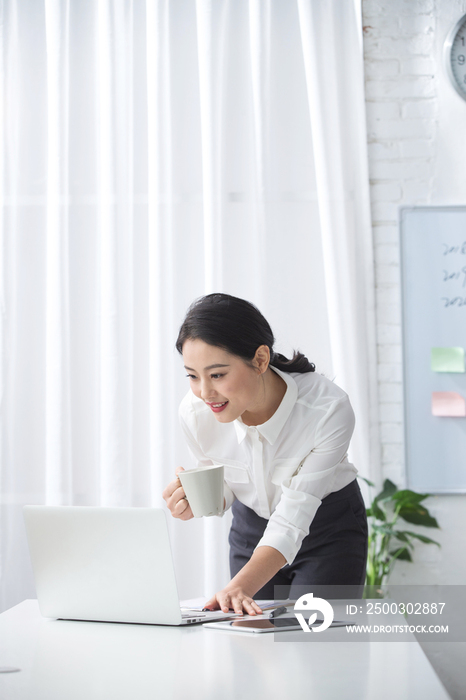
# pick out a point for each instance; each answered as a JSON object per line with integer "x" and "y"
{"x": 204, "y": 489}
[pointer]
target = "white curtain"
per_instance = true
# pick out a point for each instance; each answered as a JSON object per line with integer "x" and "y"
{"x": 152, "y": 152}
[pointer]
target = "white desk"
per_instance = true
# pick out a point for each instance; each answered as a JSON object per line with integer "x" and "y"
{"x": 94, "y": 661}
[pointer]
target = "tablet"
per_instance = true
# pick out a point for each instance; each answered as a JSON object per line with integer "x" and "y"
{"x": 263, "y": 625}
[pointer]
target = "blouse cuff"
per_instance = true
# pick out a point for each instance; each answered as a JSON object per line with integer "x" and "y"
{"x": 282, "y": 544}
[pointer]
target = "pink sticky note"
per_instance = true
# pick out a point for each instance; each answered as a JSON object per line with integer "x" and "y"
{"x": 448, "y": 403}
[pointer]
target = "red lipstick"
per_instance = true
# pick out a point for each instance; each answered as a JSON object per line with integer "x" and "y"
{"x": 218, "y": 406}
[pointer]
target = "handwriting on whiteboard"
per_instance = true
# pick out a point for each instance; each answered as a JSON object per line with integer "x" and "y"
{"x": 449, "y": 249}
{"x": 449, "y": 276}
{"x": 455, "y": 276}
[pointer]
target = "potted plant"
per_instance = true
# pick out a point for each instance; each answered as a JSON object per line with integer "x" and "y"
{"x": 388, "y": 543}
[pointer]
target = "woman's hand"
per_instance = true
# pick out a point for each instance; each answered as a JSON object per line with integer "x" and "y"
{"x": 233, "y": 598}
{"x": 176, "y": 500}
{"x": 262, "y": 566}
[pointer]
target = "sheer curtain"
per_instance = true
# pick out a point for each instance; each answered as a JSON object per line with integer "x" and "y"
{"x": 152, "y": 152}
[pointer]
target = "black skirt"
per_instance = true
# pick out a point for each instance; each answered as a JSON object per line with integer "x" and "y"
{"x": 334, "y": 552}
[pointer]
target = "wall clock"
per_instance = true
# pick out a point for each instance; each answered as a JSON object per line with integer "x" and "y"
{"x": 455, "y": 56}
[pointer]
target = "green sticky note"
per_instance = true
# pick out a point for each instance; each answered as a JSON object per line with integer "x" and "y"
{"x": 447, "y": 359}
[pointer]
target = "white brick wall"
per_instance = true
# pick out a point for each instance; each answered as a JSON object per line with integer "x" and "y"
{"x": 402, "y": 115}
{"x": 417, "y": 155}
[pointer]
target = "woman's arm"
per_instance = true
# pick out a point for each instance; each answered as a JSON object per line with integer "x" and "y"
{"x": 262, "y": 566}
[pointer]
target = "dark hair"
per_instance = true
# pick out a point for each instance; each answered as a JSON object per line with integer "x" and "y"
{"x": 237, "y": 326}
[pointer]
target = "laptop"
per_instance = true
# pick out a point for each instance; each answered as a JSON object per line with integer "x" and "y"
{"x": 106, "y": 565}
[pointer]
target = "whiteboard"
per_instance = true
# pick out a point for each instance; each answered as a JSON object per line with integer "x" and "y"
{"x": 433, "y": 272}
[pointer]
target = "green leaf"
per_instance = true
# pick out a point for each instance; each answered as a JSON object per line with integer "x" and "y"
{"x": 422, "y": 538}
{"x": 407, "y": 496}
{"x": 384, "y": 511}
{"x": 388, "y": 490}
{"x": 377, "y": 512}
{"x": 401, "y": 553}
{"x": 383, "y": 529}
{"x": 402, "y": 536}
{"x": 417, "y": 515}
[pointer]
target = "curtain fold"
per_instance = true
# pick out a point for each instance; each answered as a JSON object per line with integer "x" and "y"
{"x": 211, "y": 22}
{"x": 160, "y": 230}
{"x": 57, "y": 407}
{"x": 154, "y": 152}
{"x": 329, "y": 36}
{"x": 259, "y": 42}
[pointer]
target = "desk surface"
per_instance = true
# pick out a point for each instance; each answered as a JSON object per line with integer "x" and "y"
{"x": 94, "y": 661}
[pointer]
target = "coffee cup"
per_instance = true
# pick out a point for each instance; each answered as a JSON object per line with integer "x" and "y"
{"x": 204, "y": 489}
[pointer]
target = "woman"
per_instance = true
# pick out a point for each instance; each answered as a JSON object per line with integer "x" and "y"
{"x": 282, "y": 433}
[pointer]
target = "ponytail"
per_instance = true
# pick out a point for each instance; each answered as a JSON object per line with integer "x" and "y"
{"x": 298, "y": 363}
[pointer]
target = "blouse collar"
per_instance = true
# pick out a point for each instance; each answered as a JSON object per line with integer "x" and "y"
{"x": 270, "y": 430}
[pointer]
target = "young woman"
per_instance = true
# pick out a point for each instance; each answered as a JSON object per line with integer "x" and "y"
{"x": 282, "y": 431}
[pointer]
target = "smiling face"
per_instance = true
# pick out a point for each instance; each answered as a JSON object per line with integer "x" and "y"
{"x": 226, "y": 383}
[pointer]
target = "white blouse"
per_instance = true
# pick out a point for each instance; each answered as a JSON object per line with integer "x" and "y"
{"x": 283, "y": 468}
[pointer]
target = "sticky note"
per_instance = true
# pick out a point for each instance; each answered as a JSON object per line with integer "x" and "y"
{"x": 448, "y": 404}
{"x": 447, "y": 359}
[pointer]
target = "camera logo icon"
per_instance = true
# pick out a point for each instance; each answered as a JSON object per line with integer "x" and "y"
{"x": 305, "y": 605}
